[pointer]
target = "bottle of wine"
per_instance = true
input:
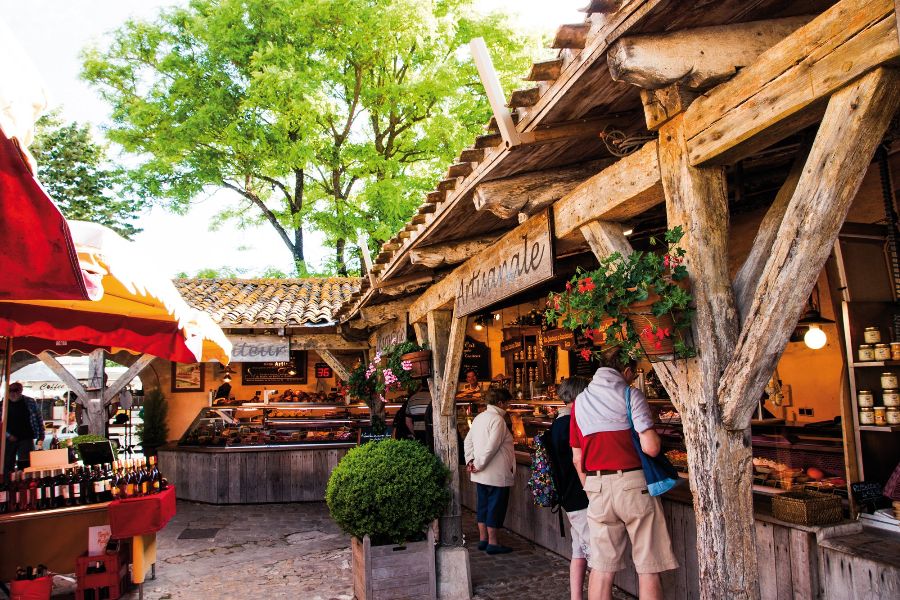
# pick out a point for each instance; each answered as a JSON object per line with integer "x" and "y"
{"x": 108, "y": 475}
{"x": 32, "y": 490}
{"x": 47, "y": 485}
{"x": 143, "y": 478}
{"x": 75, "y": 486}
{"x": 154, "y": 476}
{"x": 130, "y": 481}
{"x": 4, "y": 497}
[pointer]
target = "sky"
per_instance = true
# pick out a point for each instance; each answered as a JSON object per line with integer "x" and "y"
{"x": 53, "y": 33}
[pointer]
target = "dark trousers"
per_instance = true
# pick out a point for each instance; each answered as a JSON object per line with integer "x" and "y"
{"x": 491, "y": 503}
{"x": 18, "y": 450}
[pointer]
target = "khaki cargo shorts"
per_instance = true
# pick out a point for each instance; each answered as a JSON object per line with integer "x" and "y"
{"x": 620, "y": 509}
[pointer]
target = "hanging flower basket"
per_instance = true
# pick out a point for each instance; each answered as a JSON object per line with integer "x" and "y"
{"x": 419, "y": 362}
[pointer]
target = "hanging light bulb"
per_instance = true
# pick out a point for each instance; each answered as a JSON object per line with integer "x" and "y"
{"x": 227, "y": 378}
{"x": 815, "y": 338}
{"x": 478, "y": 326}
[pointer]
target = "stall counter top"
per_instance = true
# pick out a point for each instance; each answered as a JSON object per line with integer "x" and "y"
{"x": 260, "y": 448}
{"x": 17, "y": 517}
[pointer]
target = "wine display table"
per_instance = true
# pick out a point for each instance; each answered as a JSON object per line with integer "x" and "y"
{"x": 249, "y": 475}
{"x": 54, "y": 537}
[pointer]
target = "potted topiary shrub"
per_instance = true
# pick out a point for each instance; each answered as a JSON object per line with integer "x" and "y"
{"x": 385, "y": 495}
{"x": 154, "y": 431}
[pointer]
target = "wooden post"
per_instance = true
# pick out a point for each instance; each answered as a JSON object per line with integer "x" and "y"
{"x": 445, "y": 337}
{"x": 94, "y": 405}
{"x": 339, "y": 369}
{"x": 133, "y": 371}
{"x": 7, "y": 373}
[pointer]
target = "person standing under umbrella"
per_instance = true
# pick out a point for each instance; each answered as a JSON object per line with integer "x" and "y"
{"x": 24, "y": 426}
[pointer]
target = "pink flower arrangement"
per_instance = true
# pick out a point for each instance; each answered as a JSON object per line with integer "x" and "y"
{"x": 407, "y": 365}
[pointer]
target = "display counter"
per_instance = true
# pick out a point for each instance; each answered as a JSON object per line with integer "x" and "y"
{"x": 255, "y": 452}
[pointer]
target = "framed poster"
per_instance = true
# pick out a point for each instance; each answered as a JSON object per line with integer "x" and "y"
{"x": 477, "y": 357}
{"x": 285, "y": 372}
{"x": 187, "y": 377}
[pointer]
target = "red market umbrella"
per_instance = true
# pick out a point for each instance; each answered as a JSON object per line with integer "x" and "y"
{"x": 39, "y": 258}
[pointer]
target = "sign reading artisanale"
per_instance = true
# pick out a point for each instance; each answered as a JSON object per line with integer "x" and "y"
{"x": 260, "y": 348}
{"x": 516, "y": 263}
{"x": 391, "y": 334}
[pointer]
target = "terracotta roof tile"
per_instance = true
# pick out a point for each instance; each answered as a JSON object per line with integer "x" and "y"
{"x": 285, "y": 302}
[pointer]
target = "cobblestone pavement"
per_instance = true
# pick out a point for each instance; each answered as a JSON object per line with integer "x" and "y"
{"x": 295, "y": 551}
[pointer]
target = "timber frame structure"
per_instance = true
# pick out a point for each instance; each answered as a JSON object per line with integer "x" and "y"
{"x": 703, "y": 93}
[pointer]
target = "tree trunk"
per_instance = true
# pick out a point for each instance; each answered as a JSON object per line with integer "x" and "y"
{"x": 340, "y": 262}
{"x": 296, "y": 210}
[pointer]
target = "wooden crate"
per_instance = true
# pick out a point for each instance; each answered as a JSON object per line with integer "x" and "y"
{"x": 394, "y": 572}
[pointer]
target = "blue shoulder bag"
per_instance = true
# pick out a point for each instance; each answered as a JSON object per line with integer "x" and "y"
{"x": 660, "y": 474}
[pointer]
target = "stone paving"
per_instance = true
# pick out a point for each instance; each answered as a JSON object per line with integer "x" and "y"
{"x": 295, "y": 551}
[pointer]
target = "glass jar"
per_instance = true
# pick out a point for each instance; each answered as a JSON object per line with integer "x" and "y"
{"x": 889, "y": 381}
{"x": 866, "y": 416}
{"x": 892, "y": 415}
{"x": 882, "y": 352}
{"x": 866, "y": 353}
{"x": 880, "y": 415}
{"x": 865, "y": 398}
{"x": 890, "y": 398}
{"x": 872, "y": 335}
{"x": 895, "y": 350}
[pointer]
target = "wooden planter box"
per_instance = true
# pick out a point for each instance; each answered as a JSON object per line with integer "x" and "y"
{"x": 404, "y": 572}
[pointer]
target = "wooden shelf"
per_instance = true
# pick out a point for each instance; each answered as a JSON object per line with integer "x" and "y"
{"x": 876, "y": 363}
{"x": 882, "y": 428}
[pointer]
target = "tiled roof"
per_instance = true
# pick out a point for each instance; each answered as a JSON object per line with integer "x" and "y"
{"x": 255, "y": 302}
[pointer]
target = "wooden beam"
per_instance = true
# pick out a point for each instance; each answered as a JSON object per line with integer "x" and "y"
{"x": 390, "y": 246}
{"x": 786, "y": 89}
{"x": 491, "y": 140}
{"x": 747, "y": 277}
{"x": 453, "y": 363}
{"x": 418, "y": 219}
{"x": 547, "y": 70}
{"x": 325, "y": 342}
{"x": 460, "y": 169}
{"x": 621, "y": 191}
{"x": 363, "y": 243}
{"x": 606, "y": 238}
{"x": 340, "y": 369}
{"x": 450, "y": 253}
{"x": 494, "y": 92}
{"x": 60, "y": 371}
{"x": 379, "y": 314}
{"x": 602, "y": 6}
{"x": 525, "y": 97}
{"x": 427, "y": 209}
{"x": 436, "y": 196}
{"x": 133, "y": 371}
{"x": 449, "y": 184}
{"x": 854, "y": 124}
{"x": 532, "y": 191}
{"x": 663, "y": 104}
{"x": 573, "y": 36}
{"x": 696, "y": 59}
{"x": 472, "y": 155}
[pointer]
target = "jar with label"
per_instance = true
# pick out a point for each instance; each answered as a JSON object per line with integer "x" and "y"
{"x": 882, "y": 352}
{"x": 872, "y": 335}
{"x": 890, "y": 398}
{"x": 880, "y": 415}
{"x": 889, "y": 381}
{"x": 895, "y": 350}
{"x": 892, "y": 415}
{"x": 865, "y": 398}
{"x": 866, "y": 353}
{"x": 866, "y": 416}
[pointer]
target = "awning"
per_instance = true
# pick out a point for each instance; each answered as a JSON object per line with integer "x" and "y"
{"x": 140, "y": 310}
{"x": 39, "y": 258}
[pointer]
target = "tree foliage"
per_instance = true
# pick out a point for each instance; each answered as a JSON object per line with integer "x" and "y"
{"x": 332, "y": 114}
{"x": 77, "y": 174}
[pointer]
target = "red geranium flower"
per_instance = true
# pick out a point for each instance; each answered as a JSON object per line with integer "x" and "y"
{"x": 568, "y": 286}
{"x": 586, "y": 354}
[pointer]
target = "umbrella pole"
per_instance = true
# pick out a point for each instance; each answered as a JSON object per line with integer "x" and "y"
{"x": 7, "y": 366}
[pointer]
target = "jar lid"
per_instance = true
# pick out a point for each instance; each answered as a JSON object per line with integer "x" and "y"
{"x": 881, "y": 345}
{"x": 866, "y": 391}
{"x": 871, "y": 328}
{"x": 895, "y": 343}
{"x": 890, "y": 408}
{"x": 889, "y": 391}
{"x": 888, "y": 375}
{"x": 865, "y": 408}
{"x": 866, "y": 346}
{"x": 877, "y": 408}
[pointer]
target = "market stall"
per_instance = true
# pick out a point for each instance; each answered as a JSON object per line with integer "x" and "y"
{"x": 272, "y": 426}
{"x": 789, "y": 231}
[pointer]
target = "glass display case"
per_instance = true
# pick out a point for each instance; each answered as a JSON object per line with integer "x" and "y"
{"x": 283, "y": 425}
{"x": 526, "y": 418}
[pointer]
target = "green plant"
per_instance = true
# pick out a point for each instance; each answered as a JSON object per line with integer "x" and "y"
{"x": 155, "y": 431}
{"x": 374, "y": 379}
{"x": 390, "y": 490}
{"x": 89, "y": 437}
{"x": 600, "y": 303}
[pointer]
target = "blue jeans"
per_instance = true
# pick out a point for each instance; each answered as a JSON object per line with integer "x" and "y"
{"x": 20, "y": 449}
{"x": 491, "y": 504}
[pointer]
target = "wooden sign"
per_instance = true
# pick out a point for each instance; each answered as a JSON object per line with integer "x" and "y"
{"x": 511, "y": 346}
{"x": 260, "y": 348}
{"x": 476, "y": 357}
{"x": 391, "y": 334}
{"x": 323, "y": 371}
{"x": 287, "y": 372}
{"x": 563, "y": 338}
{"x": 517, "y": 262}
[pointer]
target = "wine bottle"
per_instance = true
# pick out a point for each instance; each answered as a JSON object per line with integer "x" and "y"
{"x": 75, "y": 486}
{"x": 130, "y": 491}
{"x": 47, "y": 485}
{"x": 154, "y": 476}
{"x": 4, "y": 498}
{"x": 143, "y": 479}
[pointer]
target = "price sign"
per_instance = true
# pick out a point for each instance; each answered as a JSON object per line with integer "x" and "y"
{"x": 323, "y": 371}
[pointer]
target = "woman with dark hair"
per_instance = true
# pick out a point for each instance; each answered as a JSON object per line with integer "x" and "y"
{"x": 491, "y": 462}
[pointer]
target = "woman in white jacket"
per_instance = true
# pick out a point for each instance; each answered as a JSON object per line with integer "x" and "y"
{"x": 491, "y": 462}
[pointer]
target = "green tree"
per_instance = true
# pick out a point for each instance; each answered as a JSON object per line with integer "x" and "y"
{"x": 76, "y": 173}
{"x": 334, "y": 114}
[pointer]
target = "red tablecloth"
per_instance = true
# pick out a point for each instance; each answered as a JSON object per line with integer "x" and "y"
{"x": 137, "y": 516}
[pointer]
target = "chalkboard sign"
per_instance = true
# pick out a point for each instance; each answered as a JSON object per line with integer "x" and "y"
{"x": 476, "y": 356}
{"x": 867, "y": 494}
{"x": 579, "y": 366}
{"x": 366, "y": 436}
{"x": 292, "y": 372}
